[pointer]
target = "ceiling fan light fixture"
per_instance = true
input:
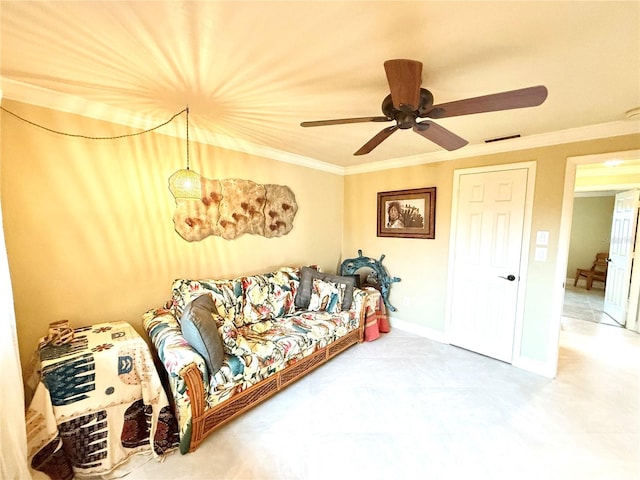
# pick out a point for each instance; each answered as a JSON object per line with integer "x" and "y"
{"x": 185, "y": 183}
{"x": 406, "y": 119}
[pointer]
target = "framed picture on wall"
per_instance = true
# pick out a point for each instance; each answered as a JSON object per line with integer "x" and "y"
{"x": 407, "y": 213}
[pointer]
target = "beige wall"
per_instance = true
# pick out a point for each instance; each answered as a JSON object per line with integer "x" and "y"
{"x": 590, "y": 232}
{"x": 422, "y": 264}
{"x": 89, "y": 227}
{"x": 90, "y": 237}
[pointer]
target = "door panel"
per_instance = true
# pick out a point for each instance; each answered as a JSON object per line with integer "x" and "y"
{"x": 623, "y": 233}
{"x": 487, "y": 250}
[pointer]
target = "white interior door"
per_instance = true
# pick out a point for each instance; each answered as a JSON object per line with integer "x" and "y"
{"x": 633, "y": 314}
{"x": 487, "y": 257}
{"x": 623, "y": 233}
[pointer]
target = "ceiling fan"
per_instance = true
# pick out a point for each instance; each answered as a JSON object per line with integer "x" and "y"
{"x": 407, "y": 102}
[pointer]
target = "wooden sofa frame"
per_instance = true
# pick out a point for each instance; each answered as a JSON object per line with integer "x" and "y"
{"x": 205, "y": 420}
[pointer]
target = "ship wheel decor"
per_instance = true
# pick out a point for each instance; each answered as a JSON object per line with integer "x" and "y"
{"x": 382, "y": 279}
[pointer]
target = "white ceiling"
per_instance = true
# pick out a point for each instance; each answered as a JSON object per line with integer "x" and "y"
{"x": 252, "y": 71}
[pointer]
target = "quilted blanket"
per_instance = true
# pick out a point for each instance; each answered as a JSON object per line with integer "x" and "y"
{"x": 98, "y": 401}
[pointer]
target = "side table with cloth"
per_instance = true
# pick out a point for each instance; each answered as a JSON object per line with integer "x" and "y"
{"x": 98, "y": 401}
{"x": 375, "y": 321}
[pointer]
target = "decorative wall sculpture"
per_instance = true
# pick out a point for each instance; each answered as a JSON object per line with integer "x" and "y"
{"x": 231, "y": 207}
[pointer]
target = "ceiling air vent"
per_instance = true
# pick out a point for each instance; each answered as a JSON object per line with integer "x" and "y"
{"x": 499, "y": 139}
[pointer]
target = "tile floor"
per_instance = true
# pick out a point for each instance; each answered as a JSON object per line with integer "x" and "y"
{"x": 586, "y": 304}
{"x": 404, "y": 407}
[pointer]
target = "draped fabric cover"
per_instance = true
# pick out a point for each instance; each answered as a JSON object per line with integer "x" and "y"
{"x": 99, "y": 401}
{"x": 376, "y": 321}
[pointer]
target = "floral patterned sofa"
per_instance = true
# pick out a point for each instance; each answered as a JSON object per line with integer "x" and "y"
{"x": 226, "y": 345}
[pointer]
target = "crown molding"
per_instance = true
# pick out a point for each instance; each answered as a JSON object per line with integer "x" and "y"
{"x": 62, "y": 102}
{"x": 43, "y": 97}
{"x": 589, "y": 132}
{"x": 236, "y": 145}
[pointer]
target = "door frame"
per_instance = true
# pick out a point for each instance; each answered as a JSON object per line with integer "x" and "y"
{"x": 530, "y": 166}
{"x": 565, "y": 236}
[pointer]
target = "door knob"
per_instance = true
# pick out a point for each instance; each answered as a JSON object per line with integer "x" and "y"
{"x": 511, "y": 278}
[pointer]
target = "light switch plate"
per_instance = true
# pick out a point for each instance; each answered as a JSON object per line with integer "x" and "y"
{"x": 541, "y": 254}
{"x": 542, "y": 237}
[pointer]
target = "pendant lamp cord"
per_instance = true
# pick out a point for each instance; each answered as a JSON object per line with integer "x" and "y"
{"x": 187, "y": 110}
{"x": 106, "y": 138}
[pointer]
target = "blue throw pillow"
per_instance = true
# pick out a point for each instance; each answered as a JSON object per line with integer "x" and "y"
{"x": 201, "y": 331}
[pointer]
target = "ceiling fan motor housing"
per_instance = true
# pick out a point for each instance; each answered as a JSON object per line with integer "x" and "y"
{"x": 406, "y": 115}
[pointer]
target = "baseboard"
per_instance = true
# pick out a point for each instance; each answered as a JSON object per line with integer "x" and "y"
{"x": 544, "y": 369}
{"x": 582, "y": 285}
{"x": 420, "y": 330}
{"x": 534, "y": 366}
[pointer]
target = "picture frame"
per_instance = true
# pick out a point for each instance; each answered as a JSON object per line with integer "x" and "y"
{"x": 417, "y": 215}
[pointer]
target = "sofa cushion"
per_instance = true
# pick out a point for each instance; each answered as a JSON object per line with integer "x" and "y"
{"x": 201, "y": 331}
{"x": 307, "y": 274}
{"x": 276, "y": 344}
{"x": 269, "y": 296}
{"x": 227, "y": 295}
{"x": 326, "y": 296}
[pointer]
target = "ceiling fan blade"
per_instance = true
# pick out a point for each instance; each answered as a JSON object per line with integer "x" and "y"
{"x": 376, "y": 140}
{"x": 404, "y": 77}
{"x": 439, "y": 135}
{"x": 524, "y": 97}
{"x": 340, "y": 121}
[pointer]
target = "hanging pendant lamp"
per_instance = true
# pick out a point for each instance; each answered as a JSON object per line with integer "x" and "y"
{"x": 185, "y": 183}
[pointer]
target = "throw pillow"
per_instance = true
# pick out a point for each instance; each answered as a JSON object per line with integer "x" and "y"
{"x": 201, "y": 331}
{"x": 326, "y": 296}
{"x": 307, "y": 274}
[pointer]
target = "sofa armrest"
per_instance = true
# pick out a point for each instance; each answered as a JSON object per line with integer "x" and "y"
{"x": 174, "y": 351}
{"x": 358, "y": 302}
{"x": 195, "y": 389}
{"x": 357, "y": 310}
{"x": 186, "y": 369}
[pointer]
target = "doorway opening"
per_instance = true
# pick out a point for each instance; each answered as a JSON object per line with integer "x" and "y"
{"x": 591, "y": 181}
{"x": 589, "y": 248}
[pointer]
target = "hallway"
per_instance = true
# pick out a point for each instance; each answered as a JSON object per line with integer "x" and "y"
{"x": 583, "y": 304}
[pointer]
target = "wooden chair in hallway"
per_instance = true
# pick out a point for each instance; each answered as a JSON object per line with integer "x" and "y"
{"x": 597, "y": 272}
